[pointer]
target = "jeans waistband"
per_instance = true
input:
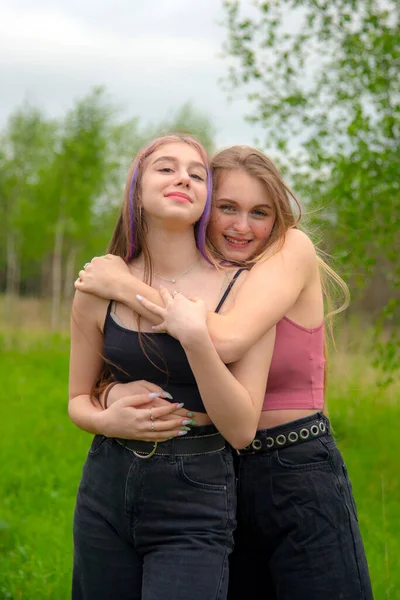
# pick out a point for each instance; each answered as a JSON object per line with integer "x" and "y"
{"x": 288, "y": 434}
{"x": 208, "y": 440}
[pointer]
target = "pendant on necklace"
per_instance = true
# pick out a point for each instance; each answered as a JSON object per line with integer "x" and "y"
{"x": 173, "y": 280}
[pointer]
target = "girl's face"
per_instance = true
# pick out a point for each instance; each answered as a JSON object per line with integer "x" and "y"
{"x": 174, "y": 185}
{"x": 242, "y": 216}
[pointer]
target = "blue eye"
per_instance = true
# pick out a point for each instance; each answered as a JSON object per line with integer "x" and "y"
{"x": 226, "y": 207}
{"x": 260, "y": 213}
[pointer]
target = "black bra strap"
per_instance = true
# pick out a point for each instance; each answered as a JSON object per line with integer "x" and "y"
{"x": 228, "y": 289}
{"x": 108, "y": 313}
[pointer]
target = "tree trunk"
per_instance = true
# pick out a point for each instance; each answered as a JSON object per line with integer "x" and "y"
{"x": 70, "y": 275}
{"x": 13, "y": 277}
{"x": 46, "y": 285}
{"x": 57, "y": 275}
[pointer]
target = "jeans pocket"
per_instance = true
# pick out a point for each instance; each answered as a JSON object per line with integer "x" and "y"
{"x": 98, "y": 443}
{"x": 207, "y": 471}
{"x": 306, "y": 456}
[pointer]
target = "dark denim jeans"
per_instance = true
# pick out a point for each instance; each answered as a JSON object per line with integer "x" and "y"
{"x": 298, "y": 536}
{"x": 152, "y": 529}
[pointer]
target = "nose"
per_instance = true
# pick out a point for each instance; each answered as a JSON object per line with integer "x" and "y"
{"x": 241, "y": 223}
{"x": 183, "y": 178}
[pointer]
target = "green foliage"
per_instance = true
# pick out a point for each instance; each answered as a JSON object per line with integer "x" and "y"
{"x": 323, "y": 80}
{"x": 27, "y": 145}
{"x": 62, "y": 182}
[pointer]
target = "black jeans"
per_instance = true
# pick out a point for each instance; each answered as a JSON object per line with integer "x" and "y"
{"x": 152, "y": 529}
{"x": 298, "y": 536}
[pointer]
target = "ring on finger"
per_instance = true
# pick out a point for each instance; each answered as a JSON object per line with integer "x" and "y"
{"x": 174, "y": 293}
{"x": 152, "y": 426}
{"x": 151, "y": 414}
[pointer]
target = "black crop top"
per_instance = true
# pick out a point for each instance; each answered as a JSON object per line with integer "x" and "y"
{"x": 128, "y": 362}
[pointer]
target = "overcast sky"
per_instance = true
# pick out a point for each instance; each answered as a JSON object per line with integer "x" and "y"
{"x": 152, "y": 56}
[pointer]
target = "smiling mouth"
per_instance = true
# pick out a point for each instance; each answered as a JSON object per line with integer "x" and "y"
{"x": 179, "y": 197}
{"x": 237, "y": 241}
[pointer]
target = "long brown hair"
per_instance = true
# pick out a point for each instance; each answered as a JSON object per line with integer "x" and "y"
{"x": 288, "y": 215}
{"x": 129, "y": 236}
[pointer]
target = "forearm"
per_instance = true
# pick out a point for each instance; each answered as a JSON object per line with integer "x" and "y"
{"x": 231, "y": 334}
{"x": 227, "y": 402}
{"x": 225, "y": 332}
{"x": 86, "y": 413}
{"x": 229, "y": 338}
{"x": 126, "y": 290}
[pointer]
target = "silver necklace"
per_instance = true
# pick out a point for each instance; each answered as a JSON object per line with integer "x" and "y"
{"x": 173, "y": 280}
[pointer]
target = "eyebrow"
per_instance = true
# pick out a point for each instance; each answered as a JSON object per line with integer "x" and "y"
{"x": 265, "y": 205}
{"x": 173, "y": 159}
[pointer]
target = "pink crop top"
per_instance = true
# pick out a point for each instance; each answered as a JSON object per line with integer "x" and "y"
{"x": 296, "y": 375}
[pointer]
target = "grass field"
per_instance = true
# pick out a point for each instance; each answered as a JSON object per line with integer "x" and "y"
{"x": 42, "y": 455}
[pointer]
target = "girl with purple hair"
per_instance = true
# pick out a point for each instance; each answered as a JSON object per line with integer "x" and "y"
{"x": 155, "y": 511}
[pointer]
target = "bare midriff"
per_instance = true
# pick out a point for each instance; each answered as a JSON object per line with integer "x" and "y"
{"x": 273, "y": 418}
{"x": 268, "y": 419}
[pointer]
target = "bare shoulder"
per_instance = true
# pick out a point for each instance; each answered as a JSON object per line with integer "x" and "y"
{"x": 89, "y": 309}
{"x": 298, "y": 241}
{"x": 296, "y": 248}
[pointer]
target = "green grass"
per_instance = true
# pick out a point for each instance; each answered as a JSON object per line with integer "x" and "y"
{"x": 42, "y": 454}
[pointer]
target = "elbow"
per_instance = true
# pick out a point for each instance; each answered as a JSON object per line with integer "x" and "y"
{"x": 242, "y": 438}
{"x": 230, "y": 349}
{"x": 71, "y": 411}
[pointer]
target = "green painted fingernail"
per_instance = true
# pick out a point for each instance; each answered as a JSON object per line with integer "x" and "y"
{"x": 188, "y": 422}
{"x": 190, "y": 414}
{"x": 185, "y": 428}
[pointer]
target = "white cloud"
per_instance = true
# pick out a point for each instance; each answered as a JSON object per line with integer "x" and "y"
{"x": 151, "y": 57}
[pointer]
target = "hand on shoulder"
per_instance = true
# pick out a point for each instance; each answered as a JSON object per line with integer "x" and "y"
{"x": 102, "y": 276}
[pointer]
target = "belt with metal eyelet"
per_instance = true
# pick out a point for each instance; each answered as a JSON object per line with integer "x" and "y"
{"x": 267, "y": 441}
{"x": 184, "y": 446}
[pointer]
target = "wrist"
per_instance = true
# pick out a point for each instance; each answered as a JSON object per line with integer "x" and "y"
{"x": 106, "y": 400}
{"x": 197, "y": 339}
{"x": 123, "y": 288}
{"x": 99, "y": 423}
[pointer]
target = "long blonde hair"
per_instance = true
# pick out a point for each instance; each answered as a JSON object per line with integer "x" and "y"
{"x": 288, "y": 215}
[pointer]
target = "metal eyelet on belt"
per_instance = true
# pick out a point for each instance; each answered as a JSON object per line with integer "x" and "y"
{"x": 314, "y": 429}
{"x": 149, "y": 455}
{"x": 281, "y": 439}
{"x": 293, "y": 437}
{"x": 270, "y": 442}
{"x": 322, "y": 426}
{"x": 304, "y": 433}
{"x": 256, "y": 444}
